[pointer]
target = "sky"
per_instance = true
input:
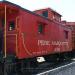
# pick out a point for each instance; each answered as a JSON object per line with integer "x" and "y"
{"x": 65, "y": 7}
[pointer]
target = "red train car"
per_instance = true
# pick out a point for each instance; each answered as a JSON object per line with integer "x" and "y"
{"x": 31, "y": 35}
{"x": 27, "y": 35}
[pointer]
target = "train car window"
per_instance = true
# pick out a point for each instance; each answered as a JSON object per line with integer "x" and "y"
{"x": 45, "y": 13}
{"x": 41, "y": 28}
{"x": 66, "y": 34}
{"x": 11, "y": 25}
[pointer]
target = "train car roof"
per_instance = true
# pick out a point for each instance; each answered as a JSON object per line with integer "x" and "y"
{"x": 7, "y": 2}
{"x": 49, "y": 9}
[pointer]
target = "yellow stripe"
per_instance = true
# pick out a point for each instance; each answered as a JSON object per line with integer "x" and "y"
{"x": 25, "y": 48}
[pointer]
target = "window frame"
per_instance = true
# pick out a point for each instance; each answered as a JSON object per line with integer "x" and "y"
{"x": 66, "y": 34}
{"x": 10, "y": 25}
{"x": 45, "y": 13}
{"x": 43, "y": 28}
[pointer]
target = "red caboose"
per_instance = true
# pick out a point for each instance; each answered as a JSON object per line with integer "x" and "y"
{"x": 30, "y": 35}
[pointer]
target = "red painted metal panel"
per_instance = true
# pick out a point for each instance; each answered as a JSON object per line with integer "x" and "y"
{"x": 29, "y": 36}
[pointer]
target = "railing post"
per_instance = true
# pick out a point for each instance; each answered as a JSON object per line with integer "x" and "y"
{"x": 5, "y": 35}
{"x": 5, "y": 67}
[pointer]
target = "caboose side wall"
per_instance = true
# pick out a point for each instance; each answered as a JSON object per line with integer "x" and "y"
{"x": 29, "y": 28}
{"x": 29, "y": 36}
{"x": 29, "y": 42}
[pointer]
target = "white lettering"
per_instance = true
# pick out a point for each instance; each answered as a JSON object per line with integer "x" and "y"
{"x": 43, "y": 42}
{"x": 48, "y": 43}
